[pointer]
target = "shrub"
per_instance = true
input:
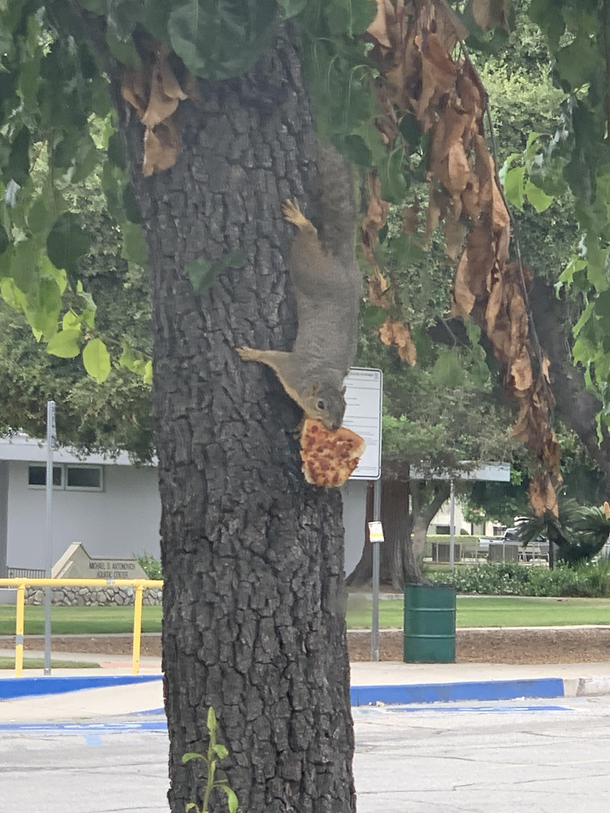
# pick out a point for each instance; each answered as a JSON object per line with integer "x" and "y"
{"x": 150, "y": 565}
{"x": 586, "y": 580}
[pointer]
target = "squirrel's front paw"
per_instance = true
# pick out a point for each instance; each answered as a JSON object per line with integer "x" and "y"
{"x": 248, "y": 353}
{"x": 292, "y": 213}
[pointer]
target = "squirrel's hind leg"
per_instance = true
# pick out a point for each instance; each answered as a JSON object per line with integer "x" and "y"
{"x": 293, "y": 214}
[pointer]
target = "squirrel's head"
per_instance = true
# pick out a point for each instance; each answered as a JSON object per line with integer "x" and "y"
{"x": 326, "y": 403}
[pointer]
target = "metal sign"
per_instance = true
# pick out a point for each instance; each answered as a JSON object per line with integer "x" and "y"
{"x": 363, "y": 399}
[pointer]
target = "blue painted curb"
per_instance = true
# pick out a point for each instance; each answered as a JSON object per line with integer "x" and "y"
{"x": 11, "y": 688}
{"x": 451, "y": 692}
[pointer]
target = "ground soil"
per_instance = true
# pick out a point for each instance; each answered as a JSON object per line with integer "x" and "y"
{"x": 564, "y": 645}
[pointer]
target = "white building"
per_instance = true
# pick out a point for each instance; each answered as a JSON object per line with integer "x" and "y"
{"x": 111, "y": 506}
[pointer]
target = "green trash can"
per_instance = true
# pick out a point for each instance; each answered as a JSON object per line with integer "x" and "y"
{"x": 429, "y": 632}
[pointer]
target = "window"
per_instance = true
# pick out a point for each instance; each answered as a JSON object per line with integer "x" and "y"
{"x": 84, "y": 478}
{"x": 443, "y": 529}
{"x": 68, "y": 477}
{"x": 37, "y": 476}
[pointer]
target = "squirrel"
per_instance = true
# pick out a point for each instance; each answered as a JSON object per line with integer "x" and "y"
{"x": 327, "y": 284}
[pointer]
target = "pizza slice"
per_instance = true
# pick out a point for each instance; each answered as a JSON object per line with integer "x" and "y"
{"x": 329, "y": 458}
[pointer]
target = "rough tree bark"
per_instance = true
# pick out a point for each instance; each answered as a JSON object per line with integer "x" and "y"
{"x": 577, "y": 407}
{"x": 254, "y": 619}
{"x": 427, "y": 499}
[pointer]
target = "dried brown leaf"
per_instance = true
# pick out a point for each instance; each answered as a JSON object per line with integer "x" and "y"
{"x": 542, "y": 495}
{"x": 455, "y": 231}
{"x": 393, "y": 332}
{"x": 378, "y": 286}
{"x": 161, "y": 147}
{"x": 521, "y": 371}
{"x": 378, "y": 29}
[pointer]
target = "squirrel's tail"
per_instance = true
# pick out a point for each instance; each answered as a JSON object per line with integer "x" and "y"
{"x": 336, "y": 202}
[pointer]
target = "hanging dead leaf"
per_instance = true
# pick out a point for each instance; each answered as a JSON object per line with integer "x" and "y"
{"x": 521, "y": 371}
{"x": 455, "y": 231}
{"x": 378, "y": 28}
{"x": 378, "y": 286}
{"x": 542, "y": 495}
{"x": 393, "y": 332}
{"x": 135, "y": 87}
{"x": 161, "y": 147}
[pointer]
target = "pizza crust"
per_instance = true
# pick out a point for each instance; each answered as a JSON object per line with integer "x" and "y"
{"x": 329, "y": 458}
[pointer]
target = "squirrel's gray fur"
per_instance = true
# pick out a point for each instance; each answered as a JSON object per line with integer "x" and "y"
{"x": 327, "y": 285}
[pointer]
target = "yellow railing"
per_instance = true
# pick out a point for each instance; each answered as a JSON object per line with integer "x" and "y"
{"x": 21, "y": 584}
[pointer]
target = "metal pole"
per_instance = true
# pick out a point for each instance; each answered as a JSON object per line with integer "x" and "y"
{"x": 375, "y": 626}
{"x": 452, "y": 529}
{"x": 137, "y": 629}
{"x": 49, "y": 534}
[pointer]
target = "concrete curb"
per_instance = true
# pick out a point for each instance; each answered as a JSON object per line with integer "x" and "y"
{"x": 12, "y": 688}
{"x": 451, "y": 692}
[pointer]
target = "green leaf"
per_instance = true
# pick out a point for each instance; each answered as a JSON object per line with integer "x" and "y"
{"x": 130, "y": 205}
{"x": 47, "y": 269}
{"x": 221, "y": 751}
{"x": 410, "y": 130}
{"x": 447, "y": 371}
{"x": 147, "y": 374}
{"x": 577, "y": 63}
{"x": 539, "y": 199}
{"x": 231, "y": 799}
{"x": 134, "y": 248}
{"x": 223, "y": 39}
{"x": 67, "y": 242}
{"x": 202, "y": 273}
{"x": 211, "y": 720}
{"x": 373, "y": 316}
{"x": 43, "y": 308}
{"x": 391, "y": 175}
{"x": 71, "y": 320}
{"x": 65, "y": 344}
{"x": 4, "y": 241}
{"x": 18, "y": 167}
{"x": 355, "y": 150}
{"x": 291, "y": 7}
{"x": 406, "y": 251}
{"x": 514, "y": 186}
{"x": 96, "y": 359}
{"x": 190, "y": 756}
{"x": 351, "y": 17}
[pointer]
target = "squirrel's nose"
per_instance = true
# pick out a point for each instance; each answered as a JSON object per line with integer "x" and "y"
{"x": 335, "y": 425}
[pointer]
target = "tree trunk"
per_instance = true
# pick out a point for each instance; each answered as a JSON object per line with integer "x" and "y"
{"x": 254, "y": 621}
{"x": 428, "y": 499}
{"x": 402, "y": 553}
{"x": 577, "y": 407}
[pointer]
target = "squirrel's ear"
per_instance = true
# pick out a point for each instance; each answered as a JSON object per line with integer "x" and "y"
{"x": 315, "y": 386}
{"x": 344, "y": 390}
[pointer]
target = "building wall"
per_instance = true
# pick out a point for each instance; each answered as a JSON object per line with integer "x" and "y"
{"x": 121, "y": 520}
{"x": 354, "y": 519}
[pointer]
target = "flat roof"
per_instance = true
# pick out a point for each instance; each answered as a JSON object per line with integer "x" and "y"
{"x": 23, "y": 448}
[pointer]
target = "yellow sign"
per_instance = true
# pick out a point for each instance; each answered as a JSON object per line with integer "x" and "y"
{"x": 376, "y": 531}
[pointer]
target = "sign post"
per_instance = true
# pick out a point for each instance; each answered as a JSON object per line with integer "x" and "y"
{"x": 363, "y": 399}
{"x": 51, "y": 439}
{"x": 376, "y": 537}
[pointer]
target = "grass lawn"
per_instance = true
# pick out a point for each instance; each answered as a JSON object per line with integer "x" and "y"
{"x": 492, "y": 611}
{"x": 38, "y": 663}
{"x": 85, "y": 620}
{"x": 484, "y": 611}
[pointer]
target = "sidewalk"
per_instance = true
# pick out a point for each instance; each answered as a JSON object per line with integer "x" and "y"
{"x": 381, "y": 683}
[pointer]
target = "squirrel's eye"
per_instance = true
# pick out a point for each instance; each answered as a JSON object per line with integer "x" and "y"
{"x": 320, "y": 404}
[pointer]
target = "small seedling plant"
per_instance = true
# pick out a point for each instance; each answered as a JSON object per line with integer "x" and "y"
{"x": 215, "y": 753}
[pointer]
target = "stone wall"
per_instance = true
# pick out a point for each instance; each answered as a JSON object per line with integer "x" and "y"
{"x": 92, "y": 596}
